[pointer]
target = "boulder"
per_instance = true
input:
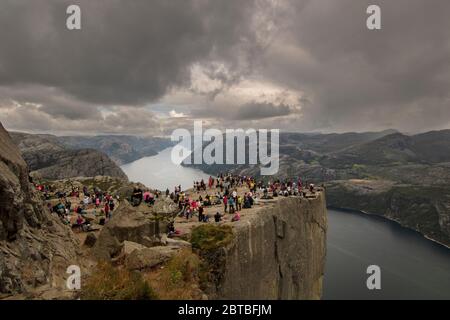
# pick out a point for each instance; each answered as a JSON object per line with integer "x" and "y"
{"x": 128, "y": 247}
{"x": 129, "y": 224}
{"x": 149, "y": 257}
{"x": 90, "y": 240}
{"x": 165, "y": 207}
{"x": 178, "y": 243}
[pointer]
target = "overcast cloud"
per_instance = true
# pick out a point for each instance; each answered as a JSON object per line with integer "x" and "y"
{"x": 146, "y": 67}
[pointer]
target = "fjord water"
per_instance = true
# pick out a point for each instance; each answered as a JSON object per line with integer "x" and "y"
{"x": 412, "y": 267}
{"x": 160, "y": 172}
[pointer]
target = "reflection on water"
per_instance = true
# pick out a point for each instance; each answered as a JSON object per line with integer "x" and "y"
{"x": 412, "y": 267}
{"x": 161, "y": 173}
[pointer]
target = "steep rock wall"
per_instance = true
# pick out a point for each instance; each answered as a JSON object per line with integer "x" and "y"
{"x": 425, "y": 209}
{"x": 278, "y": 253}
{"x": 35, "y": 247}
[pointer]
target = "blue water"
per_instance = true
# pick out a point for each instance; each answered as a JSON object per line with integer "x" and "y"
{"x": 412, "y": 267}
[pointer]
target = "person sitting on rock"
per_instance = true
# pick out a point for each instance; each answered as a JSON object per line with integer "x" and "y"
{"x": 188, "y": 213}
{"x": 170, "y": 229}
{"x": 78, "y": 223}
{"x": 217, "y": 217}
{"x": 136, "y": 198}
{"x": 207, "y": 201}
{"x": 247, "y": 204}
{"x": 236, "y": 217}
{"x": 60, "y": 209}
{"x": 150, "y": 199}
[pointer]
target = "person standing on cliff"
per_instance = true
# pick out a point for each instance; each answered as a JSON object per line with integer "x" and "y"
{"x": 225, "y": 202}
{"x": 200, "y": 214}
{"x": 210, "y": 182}
{"x": 106, "y": 209}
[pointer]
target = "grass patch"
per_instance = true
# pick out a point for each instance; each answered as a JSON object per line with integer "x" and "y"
{"x": 178, "y": 279}
{"x": 210, "y": 237}
{"x": 115, "y": 283}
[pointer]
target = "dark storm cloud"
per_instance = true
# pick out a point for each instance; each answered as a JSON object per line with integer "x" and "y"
{"x": 128, "y": 52}
{"x": 248, "y": 111}
{"x": 132, "y": 53}
{"x": 397, "y": 76}
{"x": 261, "y": 111}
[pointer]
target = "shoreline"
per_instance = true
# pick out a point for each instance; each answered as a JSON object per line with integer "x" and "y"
{"x": 362, "y": 212}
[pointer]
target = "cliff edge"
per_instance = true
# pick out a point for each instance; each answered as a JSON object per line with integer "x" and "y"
{"x": 277, "y": 252}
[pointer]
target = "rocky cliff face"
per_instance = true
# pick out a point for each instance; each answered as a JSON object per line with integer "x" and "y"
{"x": 49, "y": 159}
{"x": 279, "y": 253}
{"x": 425, "y": 209}
{"x": 35, "y": 248}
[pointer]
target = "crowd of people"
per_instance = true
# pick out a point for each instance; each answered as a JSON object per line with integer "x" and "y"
{"x": 95, "y": 201}
{"x": 224, "y": 191}
{"x": 232, "y": 193}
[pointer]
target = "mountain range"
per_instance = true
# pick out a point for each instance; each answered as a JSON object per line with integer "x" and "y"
{"x": 54, "y": 157}
{"x": 404, "y": 178}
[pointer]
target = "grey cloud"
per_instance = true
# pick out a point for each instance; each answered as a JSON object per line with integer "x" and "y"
{"x": 126, "y": 53}
{"x": 398, "y": 76}
{"x": 261, "y": 110}
{"x": 132, "y": 53}
{"x": 122, "y": 120}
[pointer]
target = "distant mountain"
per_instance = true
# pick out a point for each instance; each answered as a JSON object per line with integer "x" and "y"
{"x": 121, "y": 149}
{"x": 433, "y": 146}
{"x": 50, "y": 159}
{"x": 394, "y": 148}
{"x": 333, "y": 142}
{"x": 430, "y": 147}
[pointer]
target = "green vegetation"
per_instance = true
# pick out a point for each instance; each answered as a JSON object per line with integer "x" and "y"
{"x": 179, "y": 278}
{"x": 182, "y": 268}
{"x": 358, "y": 166}
{"x": 103, "y": 183}
{"x": 115, "y": 283}
{"x": 207, "y": 240}
{"x": 211, "y": 237}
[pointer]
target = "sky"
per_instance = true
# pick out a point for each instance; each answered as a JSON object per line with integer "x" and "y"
{"x": 147, "y": 67}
